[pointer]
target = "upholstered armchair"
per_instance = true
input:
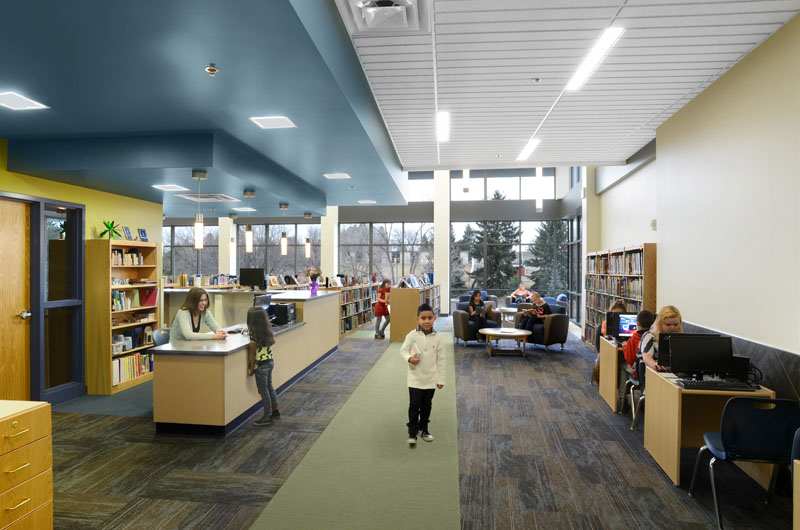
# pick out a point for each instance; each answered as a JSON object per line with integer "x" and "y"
{"x": 556, "y": 328}
{"x": 466, "y": 330}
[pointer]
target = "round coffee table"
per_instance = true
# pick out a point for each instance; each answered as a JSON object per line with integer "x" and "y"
{"x": 520, "y": 335}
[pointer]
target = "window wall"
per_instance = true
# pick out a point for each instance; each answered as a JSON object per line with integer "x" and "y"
{"x": 390, "y": 250}
{"x": 497, "y": 256}
{"x": 494, "y": 184}
{"x": 575, "y": 251}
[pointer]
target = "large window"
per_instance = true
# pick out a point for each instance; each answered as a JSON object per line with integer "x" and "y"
{"x": 575, "y": 263}
{"x": 390, "y": 250}
{"x": 497, "y": 256}
{"x": 527, "y": 184}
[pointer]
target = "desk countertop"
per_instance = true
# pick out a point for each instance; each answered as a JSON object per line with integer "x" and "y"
{"x": 234, "y": 342}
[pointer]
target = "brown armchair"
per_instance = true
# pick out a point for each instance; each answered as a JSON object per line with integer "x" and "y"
{"x": 556, "y": 329}
{"x": 465, "y": 329}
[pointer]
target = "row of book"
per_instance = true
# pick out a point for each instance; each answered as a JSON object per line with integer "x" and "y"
{"x": 132, "y": 257}
{"x": 353, "y": 322}
{"x": 130, "y": 299}
{"x": 356, "y": 307}
{"x": 628, "y": 263}
{"x": 130, "y": 367}
{"x": 351, "y": 295}
{"x": 626, "y": 287}
{"x": 599, "y": 302}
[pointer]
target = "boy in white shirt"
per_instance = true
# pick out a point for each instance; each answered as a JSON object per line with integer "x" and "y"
{"x": 424, "y": 353}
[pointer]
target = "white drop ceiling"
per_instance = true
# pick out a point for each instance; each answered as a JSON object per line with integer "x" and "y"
{"x": 488, "y": 51}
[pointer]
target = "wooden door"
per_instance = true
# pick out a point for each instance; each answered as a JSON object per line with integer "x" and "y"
{"x": 15, "y": 246}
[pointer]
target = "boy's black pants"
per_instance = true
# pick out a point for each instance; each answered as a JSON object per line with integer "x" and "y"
{"x": 419, "y": 409}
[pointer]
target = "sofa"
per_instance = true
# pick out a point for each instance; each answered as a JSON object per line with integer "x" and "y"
{"x": 466, "y": 330}
{"x": 556, "y": 327}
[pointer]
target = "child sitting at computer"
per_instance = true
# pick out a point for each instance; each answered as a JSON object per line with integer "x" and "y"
{"x": 644, "y": 321}
{"x": 669, "y": 320}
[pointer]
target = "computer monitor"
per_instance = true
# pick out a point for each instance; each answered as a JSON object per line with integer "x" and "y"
{"x": 262, "y": 300}
{"x": 664, "y": 352}
{"x": 626, "y": 326}
{"x": 620, "y": 325}
{"x": 699, "y": 354}
{"x": 252, "y": 278}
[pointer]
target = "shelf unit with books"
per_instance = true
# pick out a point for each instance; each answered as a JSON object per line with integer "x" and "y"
{"x": 403, "y": 304}
{"x": 627, "y": 274}
{"x": 121, "y": 300}
{"x": 355, "y": 306}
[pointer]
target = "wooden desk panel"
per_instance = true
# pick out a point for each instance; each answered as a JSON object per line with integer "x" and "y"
{"x": 609, "y": 373}
{"x": 678, "y": 418}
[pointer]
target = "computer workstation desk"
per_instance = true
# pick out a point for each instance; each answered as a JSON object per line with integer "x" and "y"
{"x": 676, "y": 418}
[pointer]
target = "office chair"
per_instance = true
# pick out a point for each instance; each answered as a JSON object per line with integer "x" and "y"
{"x": 161, "y": 336}
{"x": 636, "y": 406}
{"x": 752, "y": 429}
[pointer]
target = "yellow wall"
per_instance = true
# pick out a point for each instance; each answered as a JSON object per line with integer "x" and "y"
{"x": 626, "y": 210}
{"x": 728, "y": 173}
{"x": 100, "y": 206}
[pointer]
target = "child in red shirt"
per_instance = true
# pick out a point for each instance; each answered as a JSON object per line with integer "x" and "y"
{"x": 644, "y": 320}
{"x": 382, "y": 309}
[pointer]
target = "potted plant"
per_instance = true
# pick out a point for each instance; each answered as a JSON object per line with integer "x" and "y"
{"x": 111, "y": 230}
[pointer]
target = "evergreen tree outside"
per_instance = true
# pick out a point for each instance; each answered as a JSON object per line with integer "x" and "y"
{"x": 549, "y": 259}
{"x": 456, "y": 265}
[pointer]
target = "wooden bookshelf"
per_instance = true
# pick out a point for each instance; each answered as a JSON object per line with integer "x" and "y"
{"x": 121, "y": 299}
{"x": 627, "y": 274}
{"x": 403, "y": 304}
{"x": 356, "y": 306}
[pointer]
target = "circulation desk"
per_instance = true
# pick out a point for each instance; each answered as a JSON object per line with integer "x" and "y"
{"x": 203, "y": 386}
{"x": 677, "y": 418}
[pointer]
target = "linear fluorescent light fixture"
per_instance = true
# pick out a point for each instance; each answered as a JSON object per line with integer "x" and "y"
{"x": 366, "y": 201}
{"x": 336, "y": 176}
{"x": 273, "y": 122}
{"x": 14, "y": 101}
{"x": 245, "y": 209}
{"x": 594, "y": 58}
{"x": 442, "y": 126}
{"x": 169, "y": 187}
{"x": 532, "y": 144}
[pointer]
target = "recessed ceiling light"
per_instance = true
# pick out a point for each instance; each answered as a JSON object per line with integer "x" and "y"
{"x": 336, "y": 176}
{"x": 14, "y": 101}
{"x": 528, "y": 149}
{"x": 273, "y": 122}
{"x": 366, "y": 201}
{"x": 594, "y": 58}
{"x": 169, "y": 187}
{"x": 245, "y": 209}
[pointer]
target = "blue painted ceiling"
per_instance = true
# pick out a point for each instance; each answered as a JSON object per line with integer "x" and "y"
{"x": 131, "y": 75}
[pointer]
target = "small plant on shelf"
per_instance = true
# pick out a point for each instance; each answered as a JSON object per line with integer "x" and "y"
{"x": 111, "y": 230}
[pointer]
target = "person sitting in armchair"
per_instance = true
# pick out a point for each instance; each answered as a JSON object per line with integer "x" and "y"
{"x": 533, "y": 319}
{"x": 521, "y": 295}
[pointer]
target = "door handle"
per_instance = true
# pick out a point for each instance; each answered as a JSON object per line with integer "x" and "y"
{"x": 25, "y": 314}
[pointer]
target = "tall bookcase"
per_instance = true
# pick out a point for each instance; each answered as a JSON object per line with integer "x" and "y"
{"x": 403, "y": 304}
{"x": 356, "y": 306}
{"x": 627, "y": 274}
{"x": 121, "y": 299}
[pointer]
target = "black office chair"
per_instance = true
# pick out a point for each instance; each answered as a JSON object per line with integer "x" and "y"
{"x": 637, "y": 384}
{"x": 161, "y": 336}
{"x": 752, "y": 429}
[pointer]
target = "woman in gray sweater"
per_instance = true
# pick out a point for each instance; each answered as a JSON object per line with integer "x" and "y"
{"x": 193, "y": 313}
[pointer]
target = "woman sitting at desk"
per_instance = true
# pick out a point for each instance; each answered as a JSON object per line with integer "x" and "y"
{"x": 668, "y": 320}
{"x": 193, "y": 313}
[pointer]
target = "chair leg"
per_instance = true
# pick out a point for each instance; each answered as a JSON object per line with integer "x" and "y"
{"x": 635, "y": 422}
{"x": 696, "y": 468}
{"x": 562, "y": 346}
{"x": 545, "y": 348}
{"x": 621, "y": 400}
{"x": 714, "y": 491}
{"x": 633, "y": 400}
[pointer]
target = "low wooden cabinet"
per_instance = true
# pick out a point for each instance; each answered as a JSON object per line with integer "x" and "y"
{"x": 26, "y": 466}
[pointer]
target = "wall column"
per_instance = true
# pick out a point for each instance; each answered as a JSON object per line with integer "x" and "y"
{"x": 227, "y": 251}
{"x": 441, "y": 237}
{"x": 329, "y": 244}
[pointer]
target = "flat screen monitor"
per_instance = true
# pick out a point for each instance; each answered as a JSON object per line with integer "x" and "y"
{"x": 252, "y": 278}
{"x": 627, "y": 325}
{"x": 664, "y": 346}
{"x": 262, "y": 300}
{"x": 700, "y": 353}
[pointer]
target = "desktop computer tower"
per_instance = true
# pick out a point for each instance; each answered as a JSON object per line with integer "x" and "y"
{"x": 741, "y": 367}
{"x": 284, "y": 313}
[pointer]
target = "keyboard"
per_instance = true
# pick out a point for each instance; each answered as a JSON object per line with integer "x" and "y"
{"x": 730, "y": 385}
{"x": 236, "y": 330}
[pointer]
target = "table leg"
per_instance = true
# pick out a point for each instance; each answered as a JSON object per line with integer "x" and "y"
{"x": 524, "y": 345}
{"x": 489, "y": 345}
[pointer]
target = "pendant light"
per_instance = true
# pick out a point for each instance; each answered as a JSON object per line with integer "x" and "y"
{"x": 465, "y": 174}
{"x": 284, "y": 240}
{"x": 308, "y": 248}
{"x": 198, "y": 175}
{"x": 248, "y": 232}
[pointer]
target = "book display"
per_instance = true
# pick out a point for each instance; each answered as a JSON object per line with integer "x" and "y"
{"x": 121, "y": 313}
{"x": 627, "y": 274}
{"x": 403, "y": 304}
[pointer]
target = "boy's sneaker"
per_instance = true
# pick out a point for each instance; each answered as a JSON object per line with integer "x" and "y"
{"x": 428, "y": 437}
{"x": 383, "y": 336}
{"x": 266, "y": 420}
{"x": 275, "y": 415}
{"x": 378, "y": 337}
{"x": 412, "y": 440}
